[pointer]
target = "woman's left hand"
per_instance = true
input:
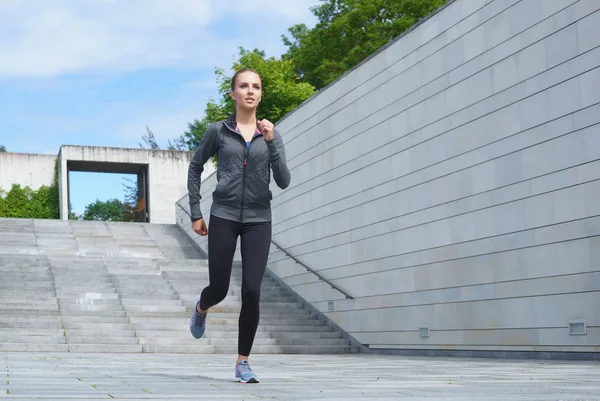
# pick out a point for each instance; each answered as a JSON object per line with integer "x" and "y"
{"x": 267, "y": 129}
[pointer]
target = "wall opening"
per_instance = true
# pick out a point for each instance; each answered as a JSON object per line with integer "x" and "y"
{"x": 127, "y": 183}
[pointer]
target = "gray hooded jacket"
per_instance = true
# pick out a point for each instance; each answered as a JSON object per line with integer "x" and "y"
{"x": 243, "y": 174}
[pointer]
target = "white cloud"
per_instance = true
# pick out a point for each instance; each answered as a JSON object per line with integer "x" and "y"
{"x": 287, "y": 9}
{"x": 165, "y": 126}
{"x": 58, "y": 37}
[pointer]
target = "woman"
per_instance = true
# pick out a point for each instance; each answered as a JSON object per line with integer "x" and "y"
{"x": 247, "y": 149}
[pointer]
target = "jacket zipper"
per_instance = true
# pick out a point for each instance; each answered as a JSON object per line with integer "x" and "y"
{"x": 246, "y": 151}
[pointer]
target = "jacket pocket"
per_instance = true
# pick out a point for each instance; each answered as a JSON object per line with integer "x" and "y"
{"x": 258, "y": 193}
{"x": 225, "y": 192}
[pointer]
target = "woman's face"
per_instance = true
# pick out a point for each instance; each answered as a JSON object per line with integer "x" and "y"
{"x": 248, "y": 90}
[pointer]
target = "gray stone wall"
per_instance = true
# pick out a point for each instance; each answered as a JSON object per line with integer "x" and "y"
{"x": 27, "y": 170}
{"x": 452, "y": 182}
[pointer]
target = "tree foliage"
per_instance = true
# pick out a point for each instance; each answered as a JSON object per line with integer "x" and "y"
{"x": 347, "y": 32}
{"x": 110, "y": 210}
{"x": 149, "y": 142}
{"x": 130, "y": 188}
{"x": 24, "y": 202}
{"x": 31, "y": 204}
{"x": 282, "y": 92}
{"x": 2, "y": 148}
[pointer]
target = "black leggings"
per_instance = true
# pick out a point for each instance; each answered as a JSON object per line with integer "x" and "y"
{"x": 255, "y": 244}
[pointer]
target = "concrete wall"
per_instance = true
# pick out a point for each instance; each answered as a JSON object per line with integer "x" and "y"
{"x": 24, "y": 169}
{"x": 452, "y": 182}
{"x": 167, "y": 174}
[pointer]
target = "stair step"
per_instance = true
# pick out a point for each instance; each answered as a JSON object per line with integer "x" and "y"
{"x": 88, "y": 287}
{"x": 104, "y": 314}
{"x": 30, "y": 318}
{"x": 259, "y": 349}
{"x": 148, "y": 294}
{"x": 155, "y": 302}
{"x": 9, "y": 332}
{"x": 76, "y": 293}
{"x": 228, "y": 319}
{"x": 11, "y": 280}
{"x": 266, "y": 315}
{"x": 94, "y": 319}
{"x": 65, "y": 308}
{"x": 180, "y": 349}
{"x": 33, "y": 347}
{"x": 99, "y": 333}
{"x": 93, "y": 283}
{"x": 161, "y": 324}
{"x": 28, "y": 294}
{"x": 66, "y": 302}
{"x": 234, "y": 341}
{"x": 4, "y": 300}
{"x": 102, "y": 340}
{"x": 97, "y": 326}
{"x": 184, "y": 333}
{"x": 31, "y": 325}
{"x": 236, "y": 305}
{"x": 105, "y": 348}
{"x": 33, "y": 339}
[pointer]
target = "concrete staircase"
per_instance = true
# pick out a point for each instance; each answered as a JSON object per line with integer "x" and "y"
{"x": 124, "y": 287}
{"x": 91, "y": 311}
{"x": 29, "y": 315}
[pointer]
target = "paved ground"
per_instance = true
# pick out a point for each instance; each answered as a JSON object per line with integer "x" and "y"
{"x": 32, "y": 376}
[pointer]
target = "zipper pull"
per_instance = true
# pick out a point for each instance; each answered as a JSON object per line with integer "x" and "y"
{"x": 244, "y": 162}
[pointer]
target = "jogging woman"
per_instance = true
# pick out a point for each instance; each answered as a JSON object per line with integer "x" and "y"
{"x": 247, "y": 150}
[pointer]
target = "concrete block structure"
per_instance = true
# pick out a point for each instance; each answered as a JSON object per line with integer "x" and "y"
{"x": 451, "y": 185}
{"x": 162, "y": 174}
{"x": 26, "y": 170}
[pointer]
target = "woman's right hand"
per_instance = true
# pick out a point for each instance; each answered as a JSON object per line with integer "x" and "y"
{"x": 199, "y": 227}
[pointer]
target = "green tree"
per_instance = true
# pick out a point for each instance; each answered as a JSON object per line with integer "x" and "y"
{"x": 283, "y": 92}
{"x": 2, "y": 148}
{"x": 26, "y": 203}
{"x": 110, "y": 210}
{"x": 130, "y": 188}
{"x": 347, "y": 32}
{"x": 149, "y": 141}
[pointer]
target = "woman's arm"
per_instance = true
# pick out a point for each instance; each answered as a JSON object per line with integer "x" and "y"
{"x": 206, "y": 149}
{"x": 281, "y": 173}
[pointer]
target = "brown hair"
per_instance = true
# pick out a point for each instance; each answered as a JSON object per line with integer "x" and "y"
{"x": 241, "y": 71}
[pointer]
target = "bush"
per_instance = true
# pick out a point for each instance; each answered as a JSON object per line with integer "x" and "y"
{"x": 29, "y": 204}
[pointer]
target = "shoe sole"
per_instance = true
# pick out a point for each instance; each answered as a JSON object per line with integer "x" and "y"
{"x": 251, "y": 381}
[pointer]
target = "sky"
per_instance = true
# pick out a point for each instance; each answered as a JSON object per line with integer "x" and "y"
{"x": 98, "y": 72}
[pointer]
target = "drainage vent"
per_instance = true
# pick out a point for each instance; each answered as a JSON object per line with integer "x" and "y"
{"x": 577, "y": 327}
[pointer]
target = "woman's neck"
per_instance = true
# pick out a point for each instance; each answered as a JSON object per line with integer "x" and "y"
{"x": 245, "y": 117}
